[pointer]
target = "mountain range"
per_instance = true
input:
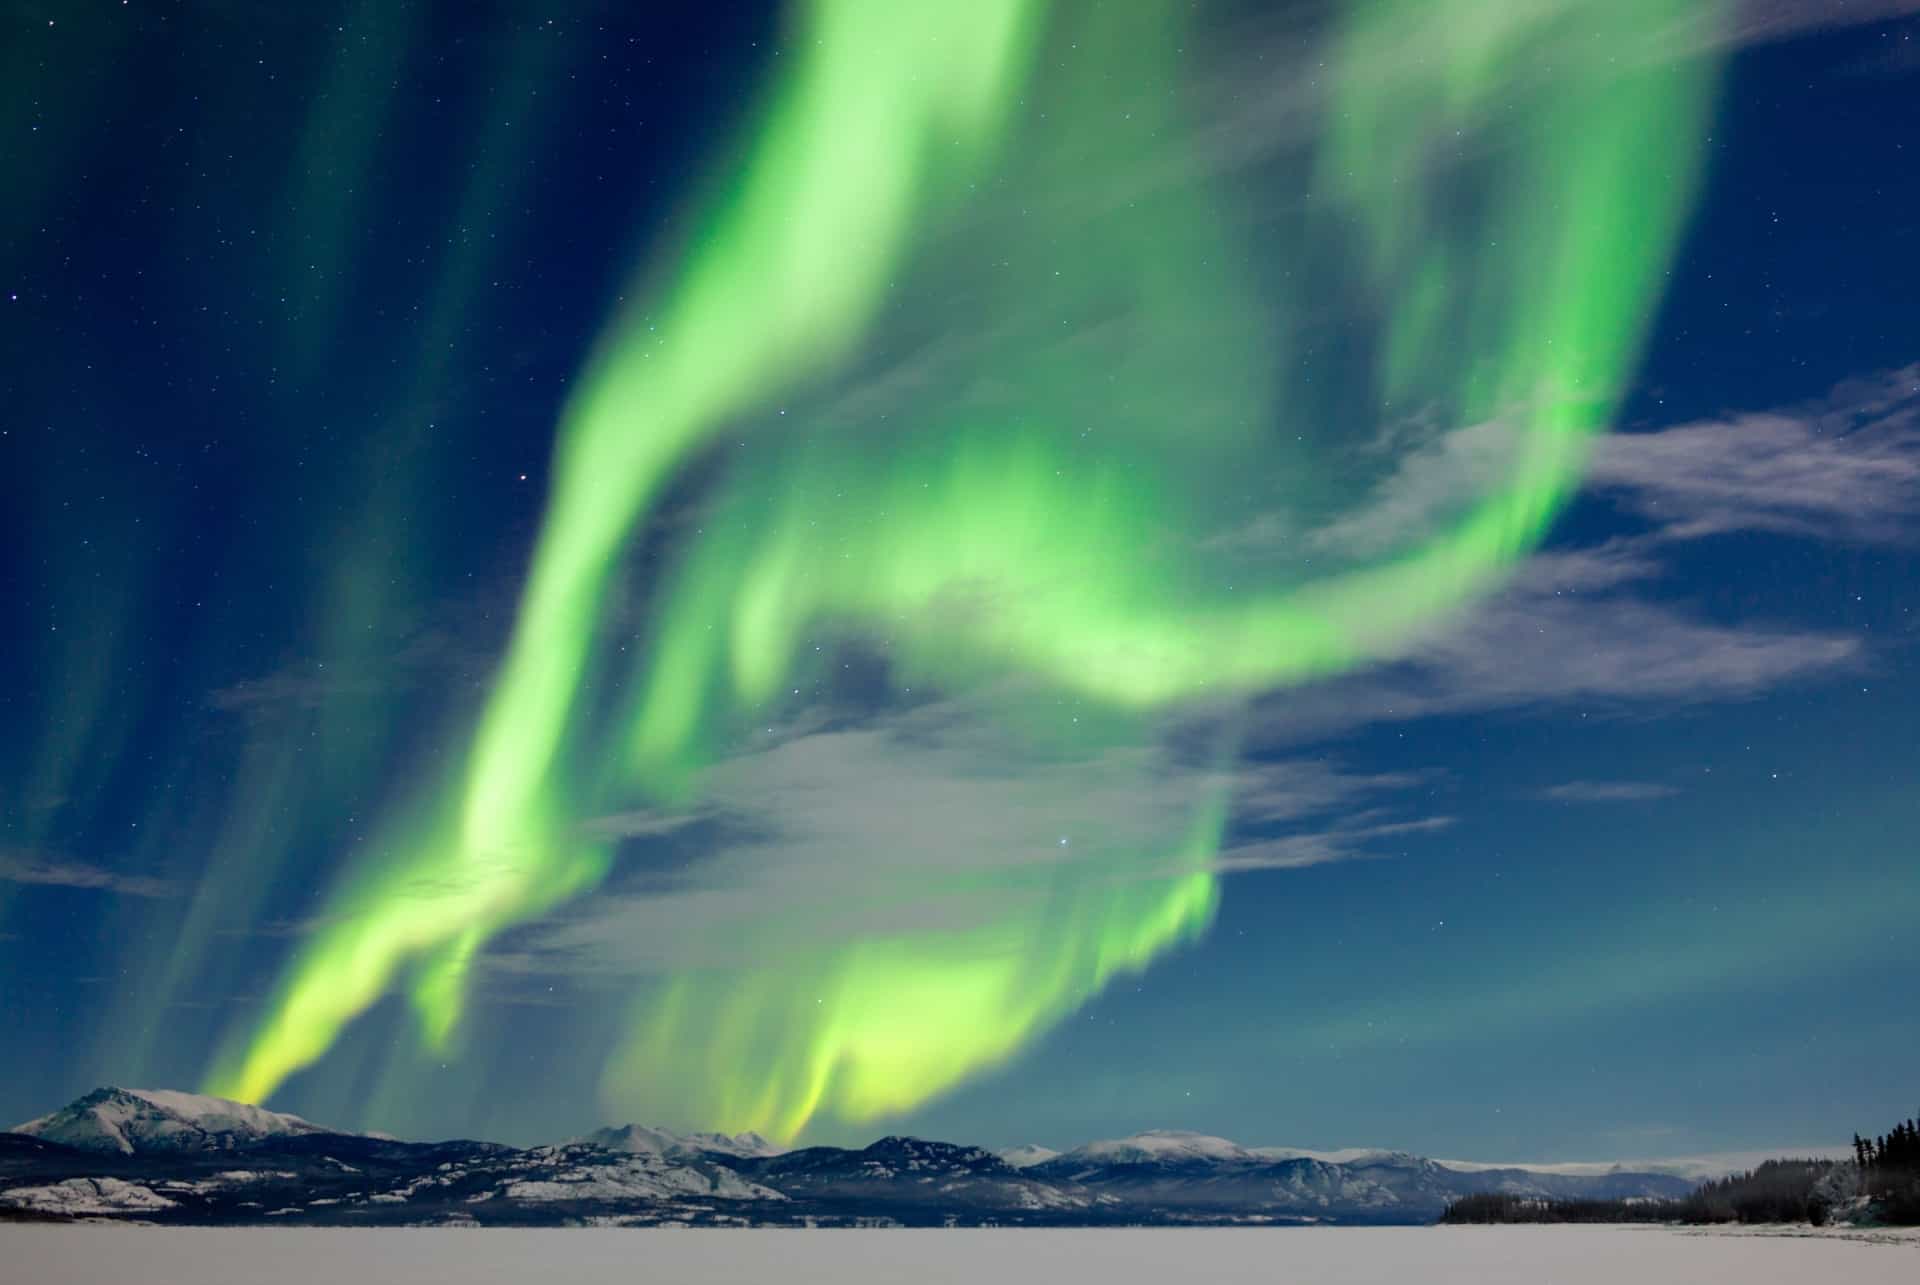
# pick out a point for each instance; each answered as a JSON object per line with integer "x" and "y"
{"x": 171, "y": 1157}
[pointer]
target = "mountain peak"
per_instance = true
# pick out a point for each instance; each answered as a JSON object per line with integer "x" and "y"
{"x": 904, "y": 1144}
{"x": 1160, "y": 1146}
{"x": 641, "y": 1139}
{"x": 249, "y": 1164}
{"x": 129, "y": 1121}
{"x": 1027, "y": 1155}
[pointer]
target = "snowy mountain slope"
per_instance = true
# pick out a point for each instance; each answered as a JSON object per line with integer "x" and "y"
{"x": 913, "y": 1172}
{"x": 581, "y": 1173}
{"x": 1167, "y": 1147}
{"x": 1341, "y": 1156}
{"x": 1176, "y": 1170}
{"x": 1026, "y": 1156}
{"x": 158, "y": 1156}
{"x": 337, "y": 1179}
{"x": 151, "y": 1120}
{"x": 75, "y": 1197}
{"x": 641, "y": 1139}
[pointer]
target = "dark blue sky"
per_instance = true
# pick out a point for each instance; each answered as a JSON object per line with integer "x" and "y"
{"x": 1620, "y": 864}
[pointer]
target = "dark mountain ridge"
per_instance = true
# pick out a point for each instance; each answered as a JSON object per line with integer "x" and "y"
{"x": 157, "y": 1156}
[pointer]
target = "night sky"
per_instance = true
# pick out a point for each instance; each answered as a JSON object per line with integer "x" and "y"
{"x": 1332, "y": 574}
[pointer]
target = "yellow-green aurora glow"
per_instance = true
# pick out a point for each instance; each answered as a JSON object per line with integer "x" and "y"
{"x": 995, "y": 404}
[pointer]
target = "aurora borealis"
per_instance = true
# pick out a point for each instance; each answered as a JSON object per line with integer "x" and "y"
{"x": 989, "y": 544}
{"x": 748, "y": 573}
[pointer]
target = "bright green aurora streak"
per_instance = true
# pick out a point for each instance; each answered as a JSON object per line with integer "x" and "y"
{"x": 1042, "y": 502}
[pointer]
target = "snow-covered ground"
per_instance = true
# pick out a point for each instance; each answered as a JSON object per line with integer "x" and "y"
{"x": 1330, "y": 1256}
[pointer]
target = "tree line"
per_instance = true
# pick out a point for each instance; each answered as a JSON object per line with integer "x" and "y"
{"x": 1883, "y": 1176}
{"x": 1890, "y": 1172}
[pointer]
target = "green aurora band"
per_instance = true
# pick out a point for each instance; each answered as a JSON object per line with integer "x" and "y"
{"x": 1039, "y": 508}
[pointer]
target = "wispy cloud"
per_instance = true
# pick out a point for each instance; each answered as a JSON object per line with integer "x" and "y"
{"x": 1762, "y": 21}
{"x": 1270, "y": 98}
{"x": 1586, "y": 625}
{"x": 1311, "y": 810}
{"x": 456, "y": 644}
{"x": 307, "y": 686}
{"x": 642, "y": 823}
{"x": 1537, "y": 649}
{"x": 281, "y": 928}
{"x": 1608, "y": 791}
{"x": 1432, "y": 482}
{"x": 1348, "y": 841}
{"x": 920, "y": 819}
{"x": 938, "y": 818}
{"x": 923, "y": 818}
{"x": 1844, "y": 468}
{"x": 46, "y": 870}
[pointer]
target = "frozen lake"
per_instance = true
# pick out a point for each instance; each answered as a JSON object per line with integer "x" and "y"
{"x": 1331, "y": 1256}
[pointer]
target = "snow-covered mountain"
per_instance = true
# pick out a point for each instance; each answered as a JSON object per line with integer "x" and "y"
{"x": 1027, "y": 1155}
{"x": 640, "y": 1139}
{"x": 155, "y": 1155}
{"x": 587, "y": 1173}
{"x": 1158, "y": 1147}
{"x": 336, "y": 1179}
{"x": 906, "y": 1177}
{"x": 130, "y": 1121}
{"x": 1173, "y": 1170}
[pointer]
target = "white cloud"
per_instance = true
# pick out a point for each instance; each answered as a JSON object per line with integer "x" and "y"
{"x": 922, "y": 819}
{"x": 1608, "y": 791}
{"x": 938, "y": 818}
{"x": 1578, "y": 626}
{"x": 1845, "y": 468}
{"x": 1757, "y": 21}
{"x": 641, "y": 823}
{"x": 1536, "y": 648}
{"x": 1345, "y": 842}
{"x": 1432, "y": 483}
{"x": 44, "y": 870}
